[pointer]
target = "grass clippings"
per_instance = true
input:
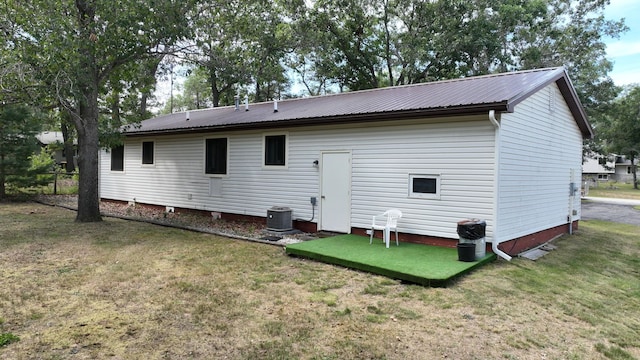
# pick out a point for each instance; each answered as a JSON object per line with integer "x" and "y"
{"x": 126, "y": 290}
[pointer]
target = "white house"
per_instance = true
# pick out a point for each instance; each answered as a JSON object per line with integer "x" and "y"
{"x": 597, "y": 169}
{"x": 624, "y": 170}
{"x": 506, "y": 148}
{"x": 616, "y": 168}
{"x": 55, "y": 137}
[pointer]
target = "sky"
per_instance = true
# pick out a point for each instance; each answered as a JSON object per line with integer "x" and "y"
{"x": 625, "y": 51}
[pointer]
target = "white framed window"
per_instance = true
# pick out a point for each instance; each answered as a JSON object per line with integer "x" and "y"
{"x": 117, "y": 158}
{"x": 424, "y": 186}
{"x": 275, "y": 150}
{"x": 147, "y": 152}
{"x": 216, "y": 156}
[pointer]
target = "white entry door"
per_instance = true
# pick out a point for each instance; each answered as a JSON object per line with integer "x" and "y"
{"x": 335, "y": 192}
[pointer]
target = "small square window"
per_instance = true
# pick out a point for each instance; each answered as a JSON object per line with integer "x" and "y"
{"x": 117, "y": 158}
{"x": 147, "y": 152}
{"x": 216, "y": 156}
{"x": 275, "y": 150}
{"x": 424, "y": 186}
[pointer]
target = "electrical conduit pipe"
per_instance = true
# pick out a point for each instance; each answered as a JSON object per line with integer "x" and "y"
{"x": 495, "y": 242}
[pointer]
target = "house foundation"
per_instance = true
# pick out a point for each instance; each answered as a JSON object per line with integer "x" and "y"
{"x": 512, "y": 247}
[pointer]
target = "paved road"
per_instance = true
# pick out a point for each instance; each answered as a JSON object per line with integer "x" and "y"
{"x": 616, "y": 210}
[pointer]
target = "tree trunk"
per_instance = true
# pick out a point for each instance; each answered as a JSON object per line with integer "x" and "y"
{"x": 88, "y": 196}
{"x": 213, "y": 83}
{"x": 142, "y": 111}
{"x": 69, "y": 152}
{"x": 258, "y": 90}
{"x": 633, "y": 170}
{"x": 86, "y": 120}
{"x": 387, "y": 43}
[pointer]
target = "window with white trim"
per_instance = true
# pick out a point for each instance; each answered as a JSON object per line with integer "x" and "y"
{"x": 275, "y": 150}
{"x": 117, "y": 158}
{"x": 215, "y": 158}
{"x": 147, "y": 152}
{"x": 424, "y": 186}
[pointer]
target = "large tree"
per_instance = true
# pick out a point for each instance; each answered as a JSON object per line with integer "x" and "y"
{"x": 240, "y": 44}
{"x": 620, "y": 130}
{"x": 372, "y": 43}
{"x": 81, "y": 46}
{"x": 196, "y": 93}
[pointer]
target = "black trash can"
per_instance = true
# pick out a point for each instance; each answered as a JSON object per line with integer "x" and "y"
{"x": 472, "y": 229}
{"x": 466, "y": 252}
{"x": 471, "y": 233}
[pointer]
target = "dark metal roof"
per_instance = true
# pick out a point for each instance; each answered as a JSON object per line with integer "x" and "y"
{"x": 473, "y": 95}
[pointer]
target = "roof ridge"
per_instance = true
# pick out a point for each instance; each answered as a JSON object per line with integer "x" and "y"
{"x": 386, "y": 88}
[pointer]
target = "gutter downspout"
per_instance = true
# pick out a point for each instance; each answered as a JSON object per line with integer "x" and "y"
{"x": 496, "y": 187}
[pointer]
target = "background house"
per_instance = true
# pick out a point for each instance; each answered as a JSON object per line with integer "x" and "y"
{"x": 56, "y": 139}
{"x": 598, "y": 169}
{"x": 623, "y": 170}
{"x": 506, "y": 148}
{"x": 614, "y": 168}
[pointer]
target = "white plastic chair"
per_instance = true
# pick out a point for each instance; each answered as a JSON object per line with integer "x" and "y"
{"x": 391, "y": 224}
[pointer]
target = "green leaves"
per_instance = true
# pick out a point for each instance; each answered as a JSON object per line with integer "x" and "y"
{"x": 620, "y": 128}
{"x": 17, "y": 143}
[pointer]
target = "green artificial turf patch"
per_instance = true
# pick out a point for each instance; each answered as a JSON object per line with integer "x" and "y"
{"x": 417, "y": 263}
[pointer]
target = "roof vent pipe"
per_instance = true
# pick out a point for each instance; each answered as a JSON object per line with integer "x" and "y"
{"x": 275, "y": 106}
{"x": 188, "y": 114}
{"x": 237, "y": 102}
{"x": 246, "y": 103}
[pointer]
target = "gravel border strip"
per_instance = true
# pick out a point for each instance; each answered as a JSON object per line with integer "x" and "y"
{"x": 175, "y": 226}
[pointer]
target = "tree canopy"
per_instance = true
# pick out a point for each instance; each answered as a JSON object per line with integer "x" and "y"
{"x": 90, "y": 52}
{"x": 620, "y": 130}
{"x": 95, "y": 61}
{"x": 18, "y": 129}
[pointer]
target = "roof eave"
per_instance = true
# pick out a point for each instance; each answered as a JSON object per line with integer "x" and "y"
{"x": 575, "y": 106}
{"x": 561, "y": 78}
{"x": 343, "y": 119}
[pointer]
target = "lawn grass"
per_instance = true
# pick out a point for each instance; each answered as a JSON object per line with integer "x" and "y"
{"x": 615, "y": 190}
{"x": 125, "y": 290}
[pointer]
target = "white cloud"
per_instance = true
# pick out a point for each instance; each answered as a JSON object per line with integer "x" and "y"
{"x": 626, "y": 78}
{"x": 623, "y": 48}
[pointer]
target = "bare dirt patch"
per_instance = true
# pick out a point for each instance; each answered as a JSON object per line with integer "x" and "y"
{"x": 128, "y": 290}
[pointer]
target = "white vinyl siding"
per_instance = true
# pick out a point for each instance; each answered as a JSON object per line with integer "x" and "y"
{"x": 461, "y": 152}
{"x": 539, "y": 146}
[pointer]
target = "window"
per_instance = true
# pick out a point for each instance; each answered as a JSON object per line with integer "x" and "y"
{"x": 424, "y": 186}
{"x": 216, "y": 156}
{"x": 275, "y": 150}
{"x": 147, "y": 152}
{"x": 117, "y": 158}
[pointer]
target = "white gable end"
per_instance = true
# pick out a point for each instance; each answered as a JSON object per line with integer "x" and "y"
{"x": 540, "y": 148}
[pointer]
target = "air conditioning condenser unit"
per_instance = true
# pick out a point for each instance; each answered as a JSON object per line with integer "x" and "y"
{"x": 279, "y": 219}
